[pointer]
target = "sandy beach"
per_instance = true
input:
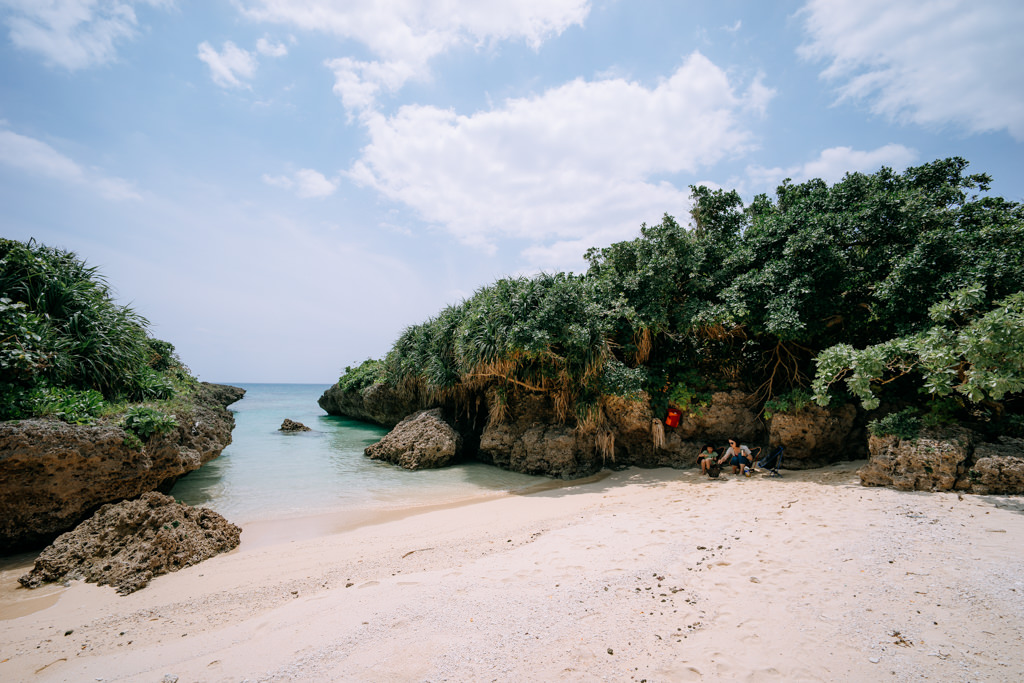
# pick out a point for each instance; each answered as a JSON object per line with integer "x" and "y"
{"x": 656, "y": 575}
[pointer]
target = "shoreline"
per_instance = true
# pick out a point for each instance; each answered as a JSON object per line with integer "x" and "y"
{"x": 657, "y": 574}
{"x": 16, "y": 601}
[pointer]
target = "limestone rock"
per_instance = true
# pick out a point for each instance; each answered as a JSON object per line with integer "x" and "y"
{"x": 377, "y": 403}
{"x": 52, "y": 474}
{"x": 816, "y": 436}
{"x": 998, "y": 467}
{"x": 935, "y": 461}
{"x": 292, "y": 426}
{"x": 126, "y": 544}
{"x": 423, "y": 440}
{"x": 530, "y": 441}
{"x": 731, "y": 415}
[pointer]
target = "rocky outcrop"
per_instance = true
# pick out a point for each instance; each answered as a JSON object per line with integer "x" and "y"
{"x": 953, "y": 459}
{"x": 816, "y": 436}
{"x": 731, "y": 415}
{"x": 421, "y": 441}
{"x": 126, "y": 544}
{"x": 53, "y": 475}
{"x": 998, "y": 467}
{"x": 530, "y": 441}
{"x": 293, "y": 426}
{"x": 377, "y": 403}
{"x": 935, "y": 461}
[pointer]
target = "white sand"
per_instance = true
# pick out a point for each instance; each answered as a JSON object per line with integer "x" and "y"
{"x": 648, "y": 574}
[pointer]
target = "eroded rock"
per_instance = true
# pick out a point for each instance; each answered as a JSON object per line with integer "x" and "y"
{"x": 935, "y": 461}
{"x": 423, "y": 440}
{"x": 126, "y": 544}
{"x": 816, "y": 436}
{"x": 52, "y": 474}
{"x": 998, "y": 467}
{"x": 377, "y": 403}
{"x": 293, "y": 426}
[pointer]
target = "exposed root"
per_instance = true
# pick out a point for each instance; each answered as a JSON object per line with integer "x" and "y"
{"x": 784, "y": 362}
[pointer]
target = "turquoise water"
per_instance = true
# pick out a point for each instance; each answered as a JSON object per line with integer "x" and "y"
{"x": 269, "y": 474}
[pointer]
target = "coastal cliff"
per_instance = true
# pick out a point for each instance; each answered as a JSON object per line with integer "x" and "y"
{"x": 53, "y": 475}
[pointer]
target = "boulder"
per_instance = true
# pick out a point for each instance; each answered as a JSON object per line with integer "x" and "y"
{"x": 998, "y": 467}
{"x": 53, "y": 475}
{"x": 423, "y": 440}
{"x": 816, "y": 436}
{"x": 292, "y": 426}
{"x": 126, "y": 544}
{"x": 935, "y": 461}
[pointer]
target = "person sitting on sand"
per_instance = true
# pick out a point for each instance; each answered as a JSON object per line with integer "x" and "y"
{"x": 738, "y": 456}
{"x": 706, "y": 458}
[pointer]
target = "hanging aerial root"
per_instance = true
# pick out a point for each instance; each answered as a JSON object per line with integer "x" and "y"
{"x": 785, "y": 367}
{"x": 605, "y": 442}
{"x": 657, "y": 433}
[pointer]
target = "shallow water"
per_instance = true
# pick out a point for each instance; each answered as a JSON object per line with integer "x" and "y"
{"x": 269, "y": 474}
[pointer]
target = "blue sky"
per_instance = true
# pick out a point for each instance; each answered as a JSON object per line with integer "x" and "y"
{"x": 281, "y": 186}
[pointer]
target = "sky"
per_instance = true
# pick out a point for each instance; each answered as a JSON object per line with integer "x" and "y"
{"x": 282, "y": 186}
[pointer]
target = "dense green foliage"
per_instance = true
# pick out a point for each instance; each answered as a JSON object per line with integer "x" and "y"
{"x": 65, "y": 346}
{"x": 144, "y": 422}
{"x": 366, "y": 373}
{"x": 905, "y": 424}
{"x": 916, "y": 275}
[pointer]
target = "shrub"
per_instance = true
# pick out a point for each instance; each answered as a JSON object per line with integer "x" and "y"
{"x": 790, "y": 402}
{"x": 368, "y": 372}
{"x": 146, "y": 422}
{"x": 905, "y": 424}
{"x": 70, "y": 405}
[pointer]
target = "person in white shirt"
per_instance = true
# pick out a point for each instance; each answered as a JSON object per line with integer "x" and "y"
{"x": 738, "y": 456}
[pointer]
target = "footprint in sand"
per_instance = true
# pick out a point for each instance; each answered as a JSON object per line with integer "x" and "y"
{"x": 368, "y": 584}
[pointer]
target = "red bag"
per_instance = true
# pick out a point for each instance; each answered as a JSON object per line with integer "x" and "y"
{"x": 672, "y": 419}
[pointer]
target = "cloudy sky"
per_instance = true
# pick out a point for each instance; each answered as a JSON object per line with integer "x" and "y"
{"x": 281, "y": 186}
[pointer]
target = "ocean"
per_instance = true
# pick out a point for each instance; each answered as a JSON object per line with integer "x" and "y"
{"x": 266, "y": 474}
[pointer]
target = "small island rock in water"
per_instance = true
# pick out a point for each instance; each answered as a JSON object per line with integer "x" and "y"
{"x": 292, "y": 426}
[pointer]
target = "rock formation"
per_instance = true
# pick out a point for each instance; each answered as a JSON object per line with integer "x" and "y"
{"x": 998, "y": 467}
{"x": 53, "y": 475}
{"x": 126, "y": 544}
{"x": 816, "y": 436}
{"x": 377, "y": 403}
{"x": 293, "y": 426}
{"x": 423, "y": 440}
{"x": 935, "y": 461}
{"x": 529, "y": 439}
{"x": 954, "y": 459}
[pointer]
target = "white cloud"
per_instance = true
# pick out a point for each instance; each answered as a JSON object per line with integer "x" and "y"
{"x": 229, "y": 67}
{"x": 832, "y": 164}
{"x": 405, "y": 34}
{"x": 305, "y": 182}
{"x": 934, "y": 63}
{"x": 269, "y": 49}
{"x": 39, "y": 158}
{"x": 575, "y": 161}
{"x": 358, "y": 83}
{"x": 73, "y": 34}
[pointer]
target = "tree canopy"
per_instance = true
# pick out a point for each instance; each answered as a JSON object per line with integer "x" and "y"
{"x": 863, "y": 281}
